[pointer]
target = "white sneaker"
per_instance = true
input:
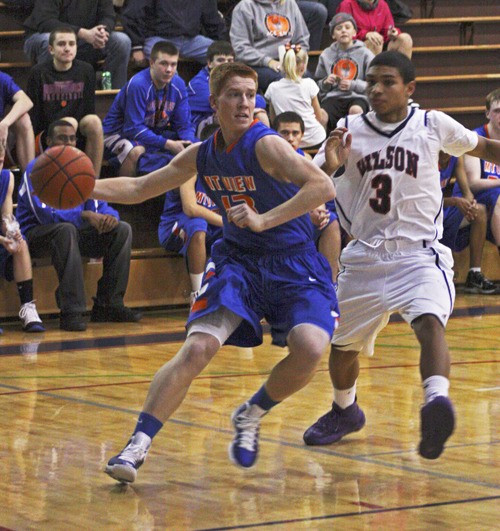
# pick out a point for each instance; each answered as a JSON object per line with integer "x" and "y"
{"x": 30, "y": 318}
{"x": 123, "y": 467}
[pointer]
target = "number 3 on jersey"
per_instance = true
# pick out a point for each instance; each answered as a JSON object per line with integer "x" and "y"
{"x": 232, "y": 200}
{"x": 381, "y": 203}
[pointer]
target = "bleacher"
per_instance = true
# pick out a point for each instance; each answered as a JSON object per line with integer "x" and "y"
{"x": 457, "y": 56}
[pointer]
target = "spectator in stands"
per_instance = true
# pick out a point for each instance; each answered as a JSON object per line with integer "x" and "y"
{"x": 149, "y": 121}
{"x": 341, "y": 71}
{"x": 376, "y": 26}
{"x": 15, "y": 260}
{"x": 178, "y": 21}
{"x": 92, "y": 230}
{"x": 64, "y": 87}
{"x": 202, "y": 114}
{"x": 259, "y": 28}
{"x": 291, "y": 127}
{"x": 93, "y": 22}
{"x": 464, "y": 222}
{"x": 299, "y": 94}
{"x": 16, "y": 121}
{"x": 483, "y": 176}
{"x": 189, "y": 224}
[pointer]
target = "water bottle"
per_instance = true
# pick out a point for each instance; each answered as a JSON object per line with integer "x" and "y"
{"x": 106, "y": 80}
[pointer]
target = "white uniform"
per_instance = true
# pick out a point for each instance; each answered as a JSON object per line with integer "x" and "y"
{"x": 389, "y": 200}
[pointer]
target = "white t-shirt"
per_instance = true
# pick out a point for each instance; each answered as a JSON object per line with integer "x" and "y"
{"x": 391, "y": 185}
{"x": 286, "y": 95}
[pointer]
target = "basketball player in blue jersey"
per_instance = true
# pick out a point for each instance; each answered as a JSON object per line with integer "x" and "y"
{"x": 266, "y": 265}
{"x": 389, "y": 201}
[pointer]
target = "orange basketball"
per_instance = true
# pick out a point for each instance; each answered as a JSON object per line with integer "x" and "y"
{"x": 63, "y": 177}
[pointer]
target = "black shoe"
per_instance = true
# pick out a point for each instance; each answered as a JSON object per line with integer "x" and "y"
{"x": 476, "y": 282}
{"x": 72, "y": 322}
{"x": 114, "y": 314}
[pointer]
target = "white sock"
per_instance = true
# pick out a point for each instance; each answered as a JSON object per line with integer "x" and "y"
{"x": 435, "y": 386}
{"x": 344, "y": 397}
{"x": 475, "y": 269}
{"x": 196, "y": 279}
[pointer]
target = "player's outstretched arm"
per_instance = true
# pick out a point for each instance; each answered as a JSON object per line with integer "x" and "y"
{"x": 130, "y": 190}
{"x": 279, "y": 160}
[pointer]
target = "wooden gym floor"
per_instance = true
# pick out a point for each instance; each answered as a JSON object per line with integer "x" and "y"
{"x": 68, "y": 403}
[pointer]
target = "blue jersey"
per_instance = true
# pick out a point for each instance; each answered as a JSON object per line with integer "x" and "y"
{"x": 31, "y": 212}
{"x": 4, "y": 185}
{"x": 447, "y": 173}
{"x": 233, "y": 175}
{"x": 489, "y": 170}
{"x": 149, "y": 116}
{"x": 173, "y": 205}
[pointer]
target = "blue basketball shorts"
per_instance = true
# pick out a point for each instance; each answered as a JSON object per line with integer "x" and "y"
{"x": 287, "y": 288}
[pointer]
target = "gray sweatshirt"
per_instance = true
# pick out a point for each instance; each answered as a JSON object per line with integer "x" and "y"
{"x": 351, "y": 63}
{"x": 259, "y": 27}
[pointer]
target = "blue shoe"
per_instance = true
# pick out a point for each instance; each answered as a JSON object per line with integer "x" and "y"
{"x": 437, "y": 424}
{"x": 123, "y": 467}
{"x": 30, "y": 318}
{"x": 244, "y": 448}
{"x": 334, "y": 425}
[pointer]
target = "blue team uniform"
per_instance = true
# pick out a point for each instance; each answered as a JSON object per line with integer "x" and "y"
{"x": 6, "y": 265}
{"x": 278, "y": 273}
{"x": 148, "y": 116}
{"x": 176, "y": 228}
{"x": 458, "y": 238}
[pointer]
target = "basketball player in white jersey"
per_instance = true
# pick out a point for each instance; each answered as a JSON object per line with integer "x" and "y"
{"x": 385, "y": 168}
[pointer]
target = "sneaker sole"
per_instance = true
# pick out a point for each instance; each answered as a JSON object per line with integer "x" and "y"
{"x": 122, "y": 473}
{"x": 332, "y": 439}
{"x": 479, "y": 291}
{"x": 438, "y": 424}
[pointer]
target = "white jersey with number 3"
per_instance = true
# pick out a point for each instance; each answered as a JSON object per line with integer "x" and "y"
{"x": 390, "y": 188}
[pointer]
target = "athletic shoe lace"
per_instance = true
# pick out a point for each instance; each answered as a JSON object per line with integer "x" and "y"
{"x": 248, "y": 431}
{"x": 133, "y": 453}
{"x": 28, "y": 313}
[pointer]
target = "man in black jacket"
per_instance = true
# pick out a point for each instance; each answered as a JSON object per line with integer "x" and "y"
{"x": 177, "y": 21}
{"x": 93, "y": 22}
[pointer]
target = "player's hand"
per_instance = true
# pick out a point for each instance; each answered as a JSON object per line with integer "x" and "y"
{"x": 274, "y": 65}
{"x": 345, "y": 84}
{"x": 337, "y": 148}
{"x": 139, "y": 58}
{"x": 374, "y": 38}
{"x": 102, "y": 223}
{"x": 332, "y": 79}
{"x": 320, "y": 217}
{"x": 392, "y": 33}
{"x": 467, "y": 207}
{"x": 176, "y": 146}
{"x": 243, "y": 216}
{"x": 12, "y": 245}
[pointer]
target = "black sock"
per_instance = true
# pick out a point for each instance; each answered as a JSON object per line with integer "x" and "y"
{"x": 25, "y": 290}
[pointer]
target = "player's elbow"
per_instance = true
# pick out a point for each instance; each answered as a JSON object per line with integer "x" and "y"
{"x": 328, "y": 189}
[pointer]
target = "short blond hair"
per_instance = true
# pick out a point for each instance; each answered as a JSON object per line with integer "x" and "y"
{"x": 493, "y": 96}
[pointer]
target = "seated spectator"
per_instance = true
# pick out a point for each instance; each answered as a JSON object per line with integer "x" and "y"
{"x": 483, "y": 176}
{"x": 64, "y": 87}
{"x": 464, "y": 223}
{"x": 198, "y": 89}
{"x": 290, "y": 126}
{"x": 295, "y": 93}
{"x": 341, "y": 71}
{"x": 15, "y": 260}
{"x": 93, "y": 22}
{"x": 149, "y": 121}
{"x": 376, "y": 26}
{"x": 92, "y": 230}
{"x": 189, "y": 224}
{"x": 16, "y": 129}
{"x": 177, "y": 21}
{"x": 259, "y": 28}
